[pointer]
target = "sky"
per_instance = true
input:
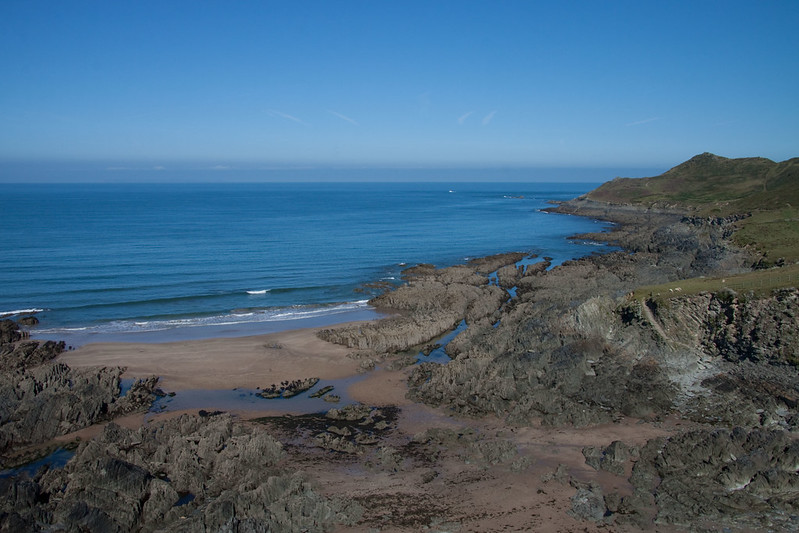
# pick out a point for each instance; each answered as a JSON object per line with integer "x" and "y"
{"x": 128, "y": 90}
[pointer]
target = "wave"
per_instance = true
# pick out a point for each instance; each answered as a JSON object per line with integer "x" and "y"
{"x": 235, "y": 317}
{"x": 4, "y": 314}
{"x": 203, "y": 297}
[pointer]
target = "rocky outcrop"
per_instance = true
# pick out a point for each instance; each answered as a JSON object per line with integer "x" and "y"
{"x": 691, "y": 246}
{"x": 287, "y": 389}
{"x": 52, "y": 399}
{"x": 732, "y": 356}
{"x": 190, "y": 473}
{"x": 744, "y": 479}
{"x": 26, "y": 354}
{"x": 433, "y": 302}
{"x": 41, "y": 399}
{"x": 613, "y": 458}
{"x": 17, "y": 352}
{"x": 555, "y": 353}
{"x": 572, "y": 348}
{"x": 28, "y": 321}
{"x": 9, "y": 331}
{"x": 726, "y": 477}
{"x": 737, "y": 327}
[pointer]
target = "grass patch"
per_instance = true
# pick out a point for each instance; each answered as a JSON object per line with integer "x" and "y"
{"x": 760, "y": 282}
{"x": 775, "y": 234}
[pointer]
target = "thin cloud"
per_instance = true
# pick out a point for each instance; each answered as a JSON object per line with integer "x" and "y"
{"x": 645, "y": 121}
{"x": 274, "y": 113}
{"x": 488, "y": 118}
{"x": 343, "y": 117}
{"x": 159, "y": 167}
{"x": 463, "y": 117}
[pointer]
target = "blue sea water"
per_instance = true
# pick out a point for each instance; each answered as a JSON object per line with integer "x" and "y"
{"x": 100, "y": 260}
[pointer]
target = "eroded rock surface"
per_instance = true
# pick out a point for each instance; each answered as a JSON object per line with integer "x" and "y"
{"x": 433, "y": 302}
{"x": 191, "y": 473}
{"x": 41, "y": 399}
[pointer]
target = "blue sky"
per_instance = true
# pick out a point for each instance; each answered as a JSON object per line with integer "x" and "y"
{"x": 124, "y": 88}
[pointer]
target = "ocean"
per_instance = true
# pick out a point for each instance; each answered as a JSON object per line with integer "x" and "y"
{"x": 154, "y": 262}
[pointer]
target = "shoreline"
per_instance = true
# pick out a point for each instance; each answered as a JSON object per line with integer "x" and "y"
{"x": 78, "y": 337}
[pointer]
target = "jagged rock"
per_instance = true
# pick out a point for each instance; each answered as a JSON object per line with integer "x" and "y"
{"x": 134, "y": 479}
{"x": 427, "y": 350}
{"x": 340, "y": 431}
{"x": 492, "y": 263}
{"x": 9, "y": 331}
{"x": 53, "y": 399}
{"x": 28, "y": 354}
{"x": 353, "y": 412}
{"x": 613, "y": 458}
{"x": 572, "y": 349}
{"x": 321, "y": 392}
{"x": 337, "y": 443}
{"x": 715, "y": 474}
{"x": 588, "y": 503}
{"x": 288, "y": 389}
{"x": 434, "y": 302}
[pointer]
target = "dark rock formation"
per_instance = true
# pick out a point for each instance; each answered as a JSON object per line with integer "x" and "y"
{"x": 28, "y": 321}
{"x": 186, "y": 474}
{"x": 430, "y": 304}
{"x": 52, "y": 399}
{"x": 613, "y": 458}
{"x": 9, "y": 331}
{"x": 726, "y": 477}
{"x": 41, "y": 399}
{"x": 351, "y": 430}
{"x": 27, "y": 354}
{"x": 288, "y": 389}
{"x": 588, "y": 503}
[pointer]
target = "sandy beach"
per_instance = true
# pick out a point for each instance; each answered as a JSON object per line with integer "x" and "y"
{"x": 223, "y": 363}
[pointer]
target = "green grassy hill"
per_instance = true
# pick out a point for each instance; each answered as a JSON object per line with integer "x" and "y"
{"x": 710, "y": 185}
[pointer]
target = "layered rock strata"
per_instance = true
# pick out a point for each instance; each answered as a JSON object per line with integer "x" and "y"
{"x": 432, "y": 302}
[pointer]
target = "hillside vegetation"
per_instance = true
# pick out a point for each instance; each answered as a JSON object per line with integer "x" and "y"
{"x": 764, "y": 192}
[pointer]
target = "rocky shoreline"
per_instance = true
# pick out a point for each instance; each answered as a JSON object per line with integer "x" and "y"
{"x": 573, "y": 348}
{"x": 714, "y": 375}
